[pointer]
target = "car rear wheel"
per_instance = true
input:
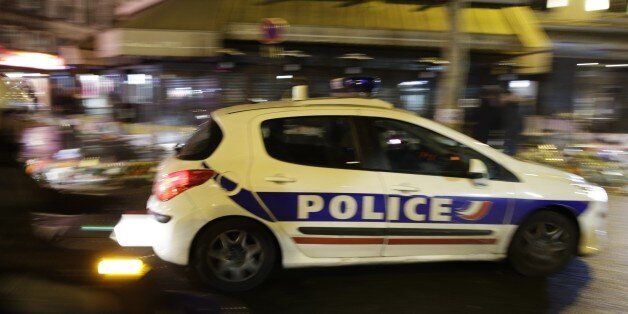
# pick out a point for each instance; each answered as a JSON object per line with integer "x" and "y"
{"x": 543, "y": 244}
{"x": 234, "y": 255}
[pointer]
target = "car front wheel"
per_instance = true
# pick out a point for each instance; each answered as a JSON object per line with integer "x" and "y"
{"x": 543, "y": 244}
{"x": 234, "y": 255}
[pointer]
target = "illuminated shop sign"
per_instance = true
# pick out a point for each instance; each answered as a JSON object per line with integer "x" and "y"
{"x": 34, "y": 60}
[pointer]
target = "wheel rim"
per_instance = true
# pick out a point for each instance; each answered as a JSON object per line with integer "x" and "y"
{"x": 546, "y": 242}
{"x": 235, "y": 255}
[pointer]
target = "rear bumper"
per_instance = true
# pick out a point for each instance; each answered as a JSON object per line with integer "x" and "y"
{"x": 171, "y": 243}
{"x": 171, "y": 238}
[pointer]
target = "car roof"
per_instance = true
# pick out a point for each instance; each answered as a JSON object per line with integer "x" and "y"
{"x": 314, "y": 102}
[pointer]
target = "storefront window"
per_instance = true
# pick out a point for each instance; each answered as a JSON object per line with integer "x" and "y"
{"x": 188, "y": 100}
{"x": 600, "y": 99}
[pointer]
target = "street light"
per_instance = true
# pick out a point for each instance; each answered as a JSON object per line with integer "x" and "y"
{"x": 596, "y": 5}
{"x": 557, "y": 3}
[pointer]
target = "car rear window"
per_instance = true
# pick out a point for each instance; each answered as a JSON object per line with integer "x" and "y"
{"x": 202, "y": 143}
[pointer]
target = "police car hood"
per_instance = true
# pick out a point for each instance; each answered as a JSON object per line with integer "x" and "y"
{"x": 529, "y": 169}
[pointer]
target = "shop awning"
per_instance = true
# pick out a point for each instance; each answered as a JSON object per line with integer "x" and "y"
{"x": 196, "y": 27}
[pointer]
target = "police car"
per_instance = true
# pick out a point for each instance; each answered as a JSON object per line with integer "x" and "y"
{"x": 341, "y": 181}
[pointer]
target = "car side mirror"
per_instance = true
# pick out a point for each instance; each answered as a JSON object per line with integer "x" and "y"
{"x": 478, "y": 172}
{"x": 178, "y": 147}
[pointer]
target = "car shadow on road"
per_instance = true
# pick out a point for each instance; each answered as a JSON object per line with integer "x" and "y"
{"x": 411, "y": 288}
{"x": 55, "y": 202}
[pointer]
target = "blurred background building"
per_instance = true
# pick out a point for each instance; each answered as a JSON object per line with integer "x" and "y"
{"x": 140, "y": 74}
{"x": 171, "y": 61}
{"x": 590, "y": 55}
{"x": 219, "y": 55}
{"x": 38, "y": 38}
{"x": 46, "y": 25}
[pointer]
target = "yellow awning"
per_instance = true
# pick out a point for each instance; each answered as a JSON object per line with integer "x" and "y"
{"x": 204, "y": 15}
{"x": 536, "y": 43}
{"x": 415, "y": 23}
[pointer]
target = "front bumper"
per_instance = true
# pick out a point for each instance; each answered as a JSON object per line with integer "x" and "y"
{"x": 593, "y": 234}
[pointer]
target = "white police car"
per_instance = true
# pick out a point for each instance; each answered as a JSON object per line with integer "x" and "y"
{"x": 339, "y": 181}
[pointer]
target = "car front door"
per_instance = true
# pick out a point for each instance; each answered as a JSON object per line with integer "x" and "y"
{"x": 306, "y": 171}
{"x": 433, "y": 207}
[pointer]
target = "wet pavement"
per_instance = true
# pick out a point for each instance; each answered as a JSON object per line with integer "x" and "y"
{"x": 590, "y": 284}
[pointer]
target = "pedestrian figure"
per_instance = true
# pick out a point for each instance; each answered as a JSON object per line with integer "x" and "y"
{"x": 487, "y": 115}
{"x": 512, "y": 121}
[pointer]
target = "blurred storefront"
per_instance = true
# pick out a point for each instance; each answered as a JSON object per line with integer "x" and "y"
{"x": 602, "y": 96}
{"x": 219, "y": 56}
{"x": 589, "y": 81}
{"x": 30, "y": 72}
{"x": 41, "y": 46}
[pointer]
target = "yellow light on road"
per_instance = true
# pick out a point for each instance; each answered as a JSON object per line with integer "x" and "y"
{"x": 122, "y": 267}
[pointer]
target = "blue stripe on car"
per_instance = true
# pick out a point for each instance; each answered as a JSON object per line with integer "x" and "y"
{"x": 283, "y": 206}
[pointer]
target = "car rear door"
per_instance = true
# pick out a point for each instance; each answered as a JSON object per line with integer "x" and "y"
{"x": 306, "y": 171}
{"x": 433, "y": 207}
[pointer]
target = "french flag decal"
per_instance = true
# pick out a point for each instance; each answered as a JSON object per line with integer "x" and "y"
{"x": 476, "y": 210}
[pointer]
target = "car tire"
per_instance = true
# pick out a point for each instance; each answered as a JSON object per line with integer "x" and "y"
{"x": 234, "y": 255}
{"x": 543, "y": 244}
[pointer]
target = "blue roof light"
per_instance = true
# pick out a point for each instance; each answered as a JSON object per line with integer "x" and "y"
{"x": 356, "y": 84}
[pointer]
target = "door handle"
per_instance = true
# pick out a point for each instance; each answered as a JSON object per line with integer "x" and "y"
{"x": 280, "y": 179}
{"x": 405, "y": 188}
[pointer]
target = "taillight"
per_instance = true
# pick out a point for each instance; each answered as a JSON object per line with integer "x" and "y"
{"x": 175, "y": 183}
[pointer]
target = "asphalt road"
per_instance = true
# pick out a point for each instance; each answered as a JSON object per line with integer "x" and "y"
{"x": 590, "y": 284}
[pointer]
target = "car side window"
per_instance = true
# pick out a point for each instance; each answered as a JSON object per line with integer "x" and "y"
{"x": 324, "y": 141}
{"x": 408, "y": 148}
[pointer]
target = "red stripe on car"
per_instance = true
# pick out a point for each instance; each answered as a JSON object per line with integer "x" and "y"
{"x": 401, "y": 241}
{"x": 321, "y": 240}
{"x": 394, "y": 241}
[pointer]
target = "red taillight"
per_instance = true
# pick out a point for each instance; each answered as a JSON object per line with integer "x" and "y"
{"x": 175, "y": 183}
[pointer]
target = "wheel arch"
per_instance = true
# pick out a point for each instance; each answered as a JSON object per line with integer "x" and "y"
{"x": 234, "y": 217}
{"x": 557, "y": 208}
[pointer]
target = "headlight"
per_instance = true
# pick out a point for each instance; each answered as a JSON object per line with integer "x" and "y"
{"x": 592, "y": 191}
{"x": 576, "y": 179}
